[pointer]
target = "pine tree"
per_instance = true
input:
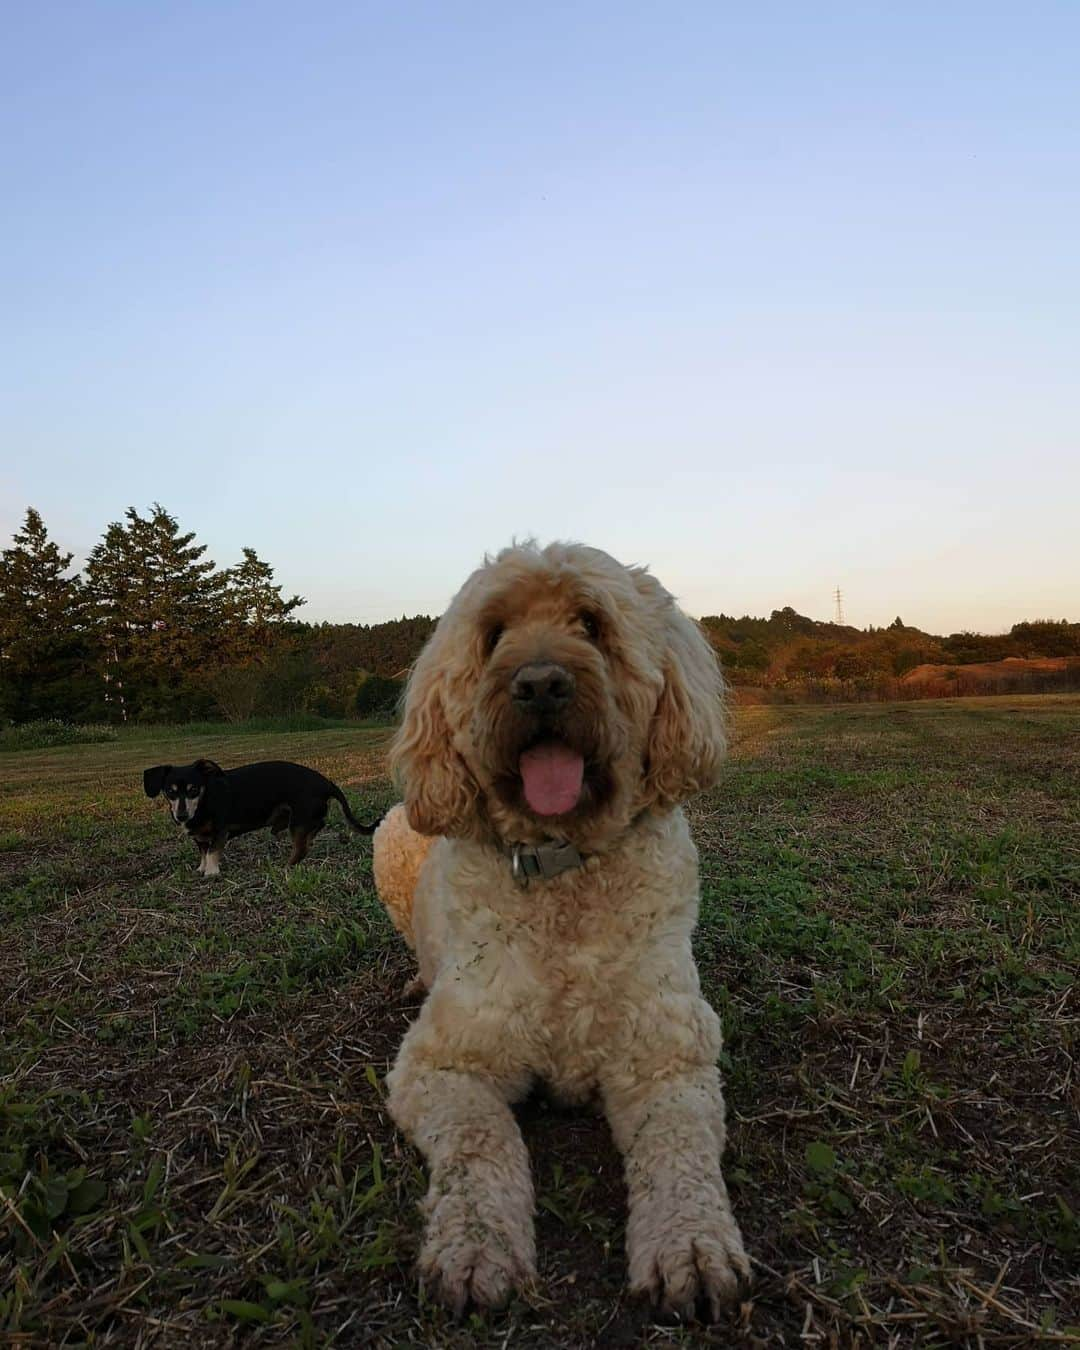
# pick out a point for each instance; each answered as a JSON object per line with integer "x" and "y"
{"x": 41, "y": 615}
{"x": 160, "y": 612}
{"x": 108, "y": 587}
{"x": 256, "y": 606}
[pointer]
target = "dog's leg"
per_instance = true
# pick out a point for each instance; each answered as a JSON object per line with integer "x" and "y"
{"x": 202, "y": 855}
{"x": 212, "y": 861}
{"x": 302, "y": 836}
{"x": 683, "y": 1244}
{"x": 479, "y": 1244}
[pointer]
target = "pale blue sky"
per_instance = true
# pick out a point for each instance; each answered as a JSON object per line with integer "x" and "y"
{"x": 771, "y": 296}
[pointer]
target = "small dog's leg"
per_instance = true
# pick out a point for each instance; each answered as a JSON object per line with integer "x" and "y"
{"x": 301, "y": 839}
{"x": 479, "y": 1244}
{"x": 683, "y": 1244}
{"x": 202, "y": 855}
{"x": 214, "y": 854}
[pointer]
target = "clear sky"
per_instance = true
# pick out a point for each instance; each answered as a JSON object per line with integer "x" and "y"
{"x": 774, "y": 297}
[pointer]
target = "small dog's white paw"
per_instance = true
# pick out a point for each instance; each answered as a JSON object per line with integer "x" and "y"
{"x": 467, "y": 1258}
{"x": 685, "y": 1265}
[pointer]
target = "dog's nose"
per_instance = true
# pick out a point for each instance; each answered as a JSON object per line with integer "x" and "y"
{"x": 542, "y": 687}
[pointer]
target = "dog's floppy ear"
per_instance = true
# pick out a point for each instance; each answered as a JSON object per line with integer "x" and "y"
{"x": 440, "y": 794}
{"x": 208, "y": 768}
{"x": 688, "y": 734}
{"x": 153, "y": 779}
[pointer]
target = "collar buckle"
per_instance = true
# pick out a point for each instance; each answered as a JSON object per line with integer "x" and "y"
{"x": 517, "y": 868}
{"x": 545, "y": 861}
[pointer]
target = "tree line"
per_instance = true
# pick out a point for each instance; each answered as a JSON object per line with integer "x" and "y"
{"x": 152, "y": 630}
{"x": 789, "y": 654}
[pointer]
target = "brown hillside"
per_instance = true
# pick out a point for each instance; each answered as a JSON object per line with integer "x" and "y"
{"x": 989, "y": 672}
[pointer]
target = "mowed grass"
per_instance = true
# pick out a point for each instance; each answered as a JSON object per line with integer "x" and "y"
{"x": 193, "y": 1143}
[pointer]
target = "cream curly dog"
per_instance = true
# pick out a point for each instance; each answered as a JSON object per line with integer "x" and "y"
{"x": 543, "y": 871}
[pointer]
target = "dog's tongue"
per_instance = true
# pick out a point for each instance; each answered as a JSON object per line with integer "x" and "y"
{"x": 552, "y": 775}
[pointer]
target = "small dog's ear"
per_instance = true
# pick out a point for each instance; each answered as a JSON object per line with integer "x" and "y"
{"x": 208, "y": 768}
{"x": 440, "y": 794}
{"x": 688, "y": 734}
{"x": 153, "y": 779}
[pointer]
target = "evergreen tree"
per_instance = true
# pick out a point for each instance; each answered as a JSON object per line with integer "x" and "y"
{"x": 159, "y": 611}
{"x": 41, "y": 614}
{"x": 108, "y": 587}
{"x": 256, "y": 607}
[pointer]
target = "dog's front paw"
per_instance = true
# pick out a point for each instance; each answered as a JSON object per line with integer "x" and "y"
{"x": 685, "y": 1265}
{"x": 469, "y": 1258}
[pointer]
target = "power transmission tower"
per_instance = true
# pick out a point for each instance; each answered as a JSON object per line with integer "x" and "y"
{"x": 839, "y": 607}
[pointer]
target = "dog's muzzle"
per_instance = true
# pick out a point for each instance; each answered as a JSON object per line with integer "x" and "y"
{"x": 542, "y": 688}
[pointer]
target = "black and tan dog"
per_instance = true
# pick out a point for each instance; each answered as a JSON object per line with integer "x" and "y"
{"x": 216, "y": 804}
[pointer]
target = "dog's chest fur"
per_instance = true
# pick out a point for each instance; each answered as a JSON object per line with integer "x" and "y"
{"x": 561, "y": 968}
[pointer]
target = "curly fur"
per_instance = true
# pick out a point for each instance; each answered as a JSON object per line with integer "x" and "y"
{"x": 586, "y": 981}
{"x": 399, "y": 853}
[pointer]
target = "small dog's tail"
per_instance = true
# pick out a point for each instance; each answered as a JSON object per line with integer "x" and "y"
{"x": 354, "y": 824}
{"x": 398, "y": 857}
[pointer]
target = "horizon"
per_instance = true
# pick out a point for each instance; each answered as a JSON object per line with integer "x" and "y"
{"x": 772, "y": 302}
{"x": 77, "y": 566}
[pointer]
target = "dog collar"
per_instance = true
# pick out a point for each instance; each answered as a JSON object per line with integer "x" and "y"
{"x": 542, "y": 860}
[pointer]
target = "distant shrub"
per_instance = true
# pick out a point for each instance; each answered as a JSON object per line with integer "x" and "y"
{"x": 378, "y": 696}
{"x": 236, "y": 690}
{"x": 328, "y": 702}
{"x": 47, "y": 732}
{"x": 277, "y": 686}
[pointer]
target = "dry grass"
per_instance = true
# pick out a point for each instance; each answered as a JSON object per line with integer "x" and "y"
{"x": 193, "y": 1146}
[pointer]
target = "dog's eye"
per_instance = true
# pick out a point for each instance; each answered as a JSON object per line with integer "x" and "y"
{"x": 494, "y": 634}
{"x": 591, "y": 625}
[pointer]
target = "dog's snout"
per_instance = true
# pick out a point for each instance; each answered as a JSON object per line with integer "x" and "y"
{"x": 542, "y": 687}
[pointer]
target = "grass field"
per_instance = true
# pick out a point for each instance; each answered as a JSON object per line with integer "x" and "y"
{"x": 193, "y": 1145}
